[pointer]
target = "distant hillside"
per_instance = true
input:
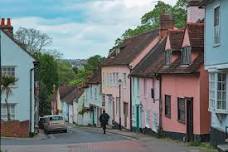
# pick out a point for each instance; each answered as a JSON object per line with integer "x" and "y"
{"x": 76, "y": 62}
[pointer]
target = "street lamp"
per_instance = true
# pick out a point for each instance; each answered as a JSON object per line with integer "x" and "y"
{"x": 120, "y": 82}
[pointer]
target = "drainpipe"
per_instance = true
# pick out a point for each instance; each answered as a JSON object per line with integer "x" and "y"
{"x": 30, "y": 122}
{"x": 160, "y": 102}
{"x": 35, "y": 63}
{"x": 0, "y": 71}
{"x": 130, "y": 102}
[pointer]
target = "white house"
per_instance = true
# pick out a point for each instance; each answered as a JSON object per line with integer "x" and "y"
{"x": 17, "y": 62}
{"x": 88, "y": 107}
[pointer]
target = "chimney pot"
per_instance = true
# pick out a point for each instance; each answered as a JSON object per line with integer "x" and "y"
{"x": 166, "y": 23}
{"x": 2, "y": 22}
{"x": 8, "y": 22}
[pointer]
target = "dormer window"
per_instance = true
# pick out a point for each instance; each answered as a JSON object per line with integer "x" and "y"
{"x": 186, "y": 56}
{"x": 168, "y": 54}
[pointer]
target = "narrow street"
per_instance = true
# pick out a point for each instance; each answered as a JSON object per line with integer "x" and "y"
{"x": 92, "y": 140}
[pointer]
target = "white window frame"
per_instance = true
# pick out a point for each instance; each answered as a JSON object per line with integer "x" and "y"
{"x": 214, "y": 106}
{"x": 218, "y": 27}
{"x": 12, "y": 115}
{"x": 9, "y": 66}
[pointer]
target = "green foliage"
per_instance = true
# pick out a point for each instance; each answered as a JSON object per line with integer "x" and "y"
{"x": 45, "y": 103}
{"x": 151, "y": 19}
{"x": 65, "y": 72}
{"x": 82, "y": 74}
{"x": 48, "y": 71}
{"x": 6, "y": 83}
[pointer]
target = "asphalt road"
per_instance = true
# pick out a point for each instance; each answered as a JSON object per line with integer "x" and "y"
{"x": 74, "y": 135}
{"x": 93, "y": 140}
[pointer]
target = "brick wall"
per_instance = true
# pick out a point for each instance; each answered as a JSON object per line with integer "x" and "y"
{"x": 15, "y": 128}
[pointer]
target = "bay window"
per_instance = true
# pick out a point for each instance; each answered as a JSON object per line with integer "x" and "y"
{"x": 218, "y": 92}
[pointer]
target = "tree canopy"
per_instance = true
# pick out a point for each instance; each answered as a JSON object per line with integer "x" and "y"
{"x": 150, "y": 20}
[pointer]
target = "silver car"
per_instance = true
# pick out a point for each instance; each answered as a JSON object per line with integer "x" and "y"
{"x": 54, "y": 123}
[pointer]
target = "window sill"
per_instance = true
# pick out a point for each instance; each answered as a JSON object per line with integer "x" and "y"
{"x": 219, "y": 111}
{"x": 168, "y": 116}
{"x": 181, "y": 121}
{"x": 217, "y": 45}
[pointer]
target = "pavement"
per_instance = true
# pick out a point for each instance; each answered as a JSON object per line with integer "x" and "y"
{"x": 86, "y": 139}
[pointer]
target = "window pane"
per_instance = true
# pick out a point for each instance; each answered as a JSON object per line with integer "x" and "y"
{"x": 181, "y": 109}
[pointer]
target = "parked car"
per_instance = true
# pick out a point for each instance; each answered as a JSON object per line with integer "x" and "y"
{"x": 41, "y": 122}
{"x": 54, "y": 123}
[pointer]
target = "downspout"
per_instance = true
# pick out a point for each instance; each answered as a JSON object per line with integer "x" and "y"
{"x": 130, "y": 102}
{"x": 0, "y": 72}
{"x": 160, "y": 103}
{"x": 30, "y": 122}
{"x": 35, "y": 63}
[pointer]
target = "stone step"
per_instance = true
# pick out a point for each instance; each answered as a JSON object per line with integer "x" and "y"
{"x": 223, "y": 148}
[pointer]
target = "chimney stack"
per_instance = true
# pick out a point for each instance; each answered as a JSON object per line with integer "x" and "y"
{"x": 166, "y": 23}
{"x": 194, "y": 13}
{"x": 7, "y": 27}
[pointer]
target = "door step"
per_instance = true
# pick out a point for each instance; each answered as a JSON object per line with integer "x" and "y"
{"x": 223, "y": 148}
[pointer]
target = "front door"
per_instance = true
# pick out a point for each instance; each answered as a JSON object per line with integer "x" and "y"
{"x": 189, "y": 107}
{"x": 137, "y": 118}
{"x": 125, "y": 113}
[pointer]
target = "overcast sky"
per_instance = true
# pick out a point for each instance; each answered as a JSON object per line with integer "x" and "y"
{"x": 79, "y": 28}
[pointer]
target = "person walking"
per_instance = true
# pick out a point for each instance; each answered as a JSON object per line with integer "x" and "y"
{"x": 104, "y": 117}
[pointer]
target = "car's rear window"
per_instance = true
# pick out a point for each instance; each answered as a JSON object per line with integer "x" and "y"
{"x": 55, "y": 118}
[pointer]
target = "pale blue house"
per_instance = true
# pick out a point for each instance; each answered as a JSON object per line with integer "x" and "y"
{"x": 89, "y": 104}
{"x": 17, "y": 62}
{"x": 216, "y": 62}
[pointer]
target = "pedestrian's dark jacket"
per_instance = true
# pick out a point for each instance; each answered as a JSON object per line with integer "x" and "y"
{"x": 104, "y": 118}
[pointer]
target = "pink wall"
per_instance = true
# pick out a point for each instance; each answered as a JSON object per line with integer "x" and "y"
{"x": 149, "y": 104}
{"x": 180, "y": 86}
{"x": 114, "y": 90}
{"x": 195, "y": 86}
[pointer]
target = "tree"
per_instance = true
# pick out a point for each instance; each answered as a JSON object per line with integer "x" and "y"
{"x": 151, "y": 19}
{"x": 65, "y": 72}
{"x": 33, "y": 40}
{"x": 45, "y": 102}
{"x": 6, "y": 83}
{"x": 89, "y": 68}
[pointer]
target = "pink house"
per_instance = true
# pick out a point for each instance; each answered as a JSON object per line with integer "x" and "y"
{"x": 116, "y": 83}
{"x": 184, "y": 87}
{"x": 146, "y": 91}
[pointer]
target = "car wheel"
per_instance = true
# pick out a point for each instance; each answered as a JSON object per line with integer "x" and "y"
{"x": 65, "y": 131}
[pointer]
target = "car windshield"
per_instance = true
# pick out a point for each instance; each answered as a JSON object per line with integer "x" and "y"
{"x": 55, "y": 118}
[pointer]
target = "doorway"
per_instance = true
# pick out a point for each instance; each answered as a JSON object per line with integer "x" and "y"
{"x": 189, "y": 125}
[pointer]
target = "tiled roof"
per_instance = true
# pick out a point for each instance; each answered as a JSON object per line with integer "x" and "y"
{"x": 194, "y": 2}
{"x": 176, "y": 39}
{"x": 131, "y": 48}
{"x": 196, "y": 38}
{"x": 74, "y": 94}
{"x": 152, "y": 62}
{"x": 65, "y": 90}
{"x": 177, "y": 68}
{"x": 196, "y": 34}
{"x": 95, "y": 78}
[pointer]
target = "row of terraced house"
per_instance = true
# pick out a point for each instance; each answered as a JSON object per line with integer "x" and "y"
{"x": 167, "y": 81}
